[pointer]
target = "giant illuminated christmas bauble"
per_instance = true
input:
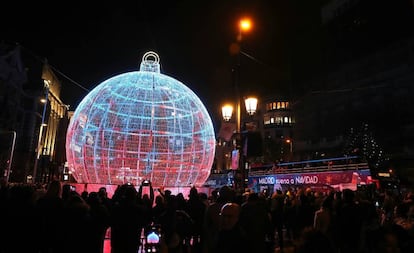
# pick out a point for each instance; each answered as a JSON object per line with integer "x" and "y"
{"x": 141, "y": 125}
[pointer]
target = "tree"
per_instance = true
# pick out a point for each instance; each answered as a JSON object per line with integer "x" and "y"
{"x": 362, "y": 143}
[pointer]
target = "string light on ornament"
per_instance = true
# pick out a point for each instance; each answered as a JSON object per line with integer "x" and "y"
{"x": 141, "y": 125}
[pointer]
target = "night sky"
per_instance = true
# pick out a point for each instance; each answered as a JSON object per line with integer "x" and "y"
{"x": 88, "y": 44}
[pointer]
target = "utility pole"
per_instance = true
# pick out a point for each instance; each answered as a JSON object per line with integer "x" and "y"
{"x": 39, "y": 148}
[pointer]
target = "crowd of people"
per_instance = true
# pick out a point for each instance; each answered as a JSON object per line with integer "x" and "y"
{"x": 56, "y": 218}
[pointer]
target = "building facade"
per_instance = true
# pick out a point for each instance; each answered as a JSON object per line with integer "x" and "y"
{"x": 364, "y": 86}
{"x": 22, "y": 78}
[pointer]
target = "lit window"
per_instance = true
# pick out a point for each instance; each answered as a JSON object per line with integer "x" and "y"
{"x": 266, "y": 120}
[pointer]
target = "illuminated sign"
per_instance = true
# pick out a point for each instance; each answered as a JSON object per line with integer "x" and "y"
{"x": 328, "y": 178}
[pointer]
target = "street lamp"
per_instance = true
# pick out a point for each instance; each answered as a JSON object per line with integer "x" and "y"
{"x": 237, "y": 154}
{"x": 290, "y": 142}
{"x": 238, "y": 164}
{"x": 251, "y": 105}
{"x": 227, "y": 111}
{"x": 39, "y": 148}
{"x": 245, "y": 25}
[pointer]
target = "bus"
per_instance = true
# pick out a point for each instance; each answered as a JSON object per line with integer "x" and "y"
{"x": 326, "y": 174}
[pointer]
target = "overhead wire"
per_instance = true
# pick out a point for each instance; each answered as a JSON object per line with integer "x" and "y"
{"x": 44, "y": 61}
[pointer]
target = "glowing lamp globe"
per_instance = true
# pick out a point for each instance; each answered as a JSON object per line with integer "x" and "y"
{"x": 141, "y": 125}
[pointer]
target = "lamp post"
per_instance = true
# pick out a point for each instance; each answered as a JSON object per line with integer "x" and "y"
{"x": 238, "y": 163}
{"x": 238, "y": 154}
{"x": 39, "y": 148}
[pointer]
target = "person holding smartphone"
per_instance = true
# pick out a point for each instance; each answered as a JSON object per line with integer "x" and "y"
{"x": 146, "y": 196}
{"x": 146, "y": 192}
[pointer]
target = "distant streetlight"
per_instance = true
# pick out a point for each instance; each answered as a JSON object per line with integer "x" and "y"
{"x": 290, "y": 142}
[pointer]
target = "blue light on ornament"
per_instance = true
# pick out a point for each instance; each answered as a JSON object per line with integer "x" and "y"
{"x": 141, "y": 125}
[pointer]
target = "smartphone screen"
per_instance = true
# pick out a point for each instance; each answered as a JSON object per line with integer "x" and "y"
{"x": 153, "y": 238}
{"x": 146, "y": 188}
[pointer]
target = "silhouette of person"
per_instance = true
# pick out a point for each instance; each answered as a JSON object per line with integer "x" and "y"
{"x": 212, "y": 217}
{"x": 127, "y": 221}
{"x": 49, "y": 209}
{"x": 255, "y": 220}
{"x": 231, "y": 236}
